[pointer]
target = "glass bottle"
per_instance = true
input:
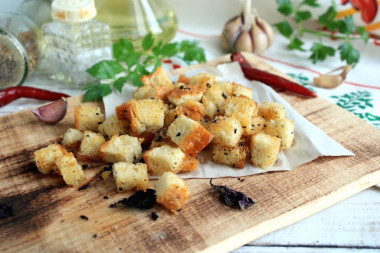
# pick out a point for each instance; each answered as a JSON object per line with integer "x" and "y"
{"x": 74, "y": 41}
{"x": 133, "y": 19}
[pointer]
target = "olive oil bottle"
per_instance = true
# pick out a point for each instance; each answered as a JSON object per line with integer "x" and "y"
{"x": 133, "y": 19}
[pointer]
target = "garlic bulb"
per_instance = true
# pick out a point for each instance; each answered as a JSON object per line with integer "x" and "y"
{"x": 247, "y": 32}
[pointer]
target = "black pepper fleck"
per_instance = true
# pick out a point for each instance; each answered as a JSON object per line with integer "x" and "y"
{"x": 84, "y": 187}
{"x": 85, "y": 166}
{"x": 235, "y": 130}
{"x": 179, "y": 134}
{"x": 95, "y": 236}
{"x": 105, "y": 197}
{"x": 224, "y": 95}
{"x": 154, "y": 215}
{"x": 83, "y": 217}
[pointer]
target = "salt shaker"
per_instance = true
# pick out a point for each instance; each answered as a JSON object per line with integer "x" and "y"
{"x": 74, "y": 41}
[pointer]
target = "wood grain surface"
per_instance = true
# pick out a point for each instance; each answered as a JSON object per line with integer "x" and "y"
{"x": 47, "y": 212}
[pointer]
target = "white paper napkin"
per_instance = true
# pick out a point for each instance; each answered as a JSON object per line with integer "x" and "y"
{"x": 309, "y": 143}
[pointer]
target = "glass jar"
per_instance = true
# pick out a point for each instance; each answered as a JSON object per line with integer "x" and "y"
{"x": 74, "y": 41}
{"x": 19, "y": 48}
{"x": 133, "y": 19}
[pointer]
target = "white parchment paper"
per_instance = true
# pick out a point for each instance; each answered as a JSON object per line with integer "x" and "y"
{"x": 309, "y": 143}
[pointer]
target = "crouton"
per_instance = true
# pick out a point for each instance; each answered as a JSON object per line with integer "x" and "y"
{"x": 183, "y": 79}
{"x": 189, "y": 135}
{"x": 70, "y": 170}
{"x": 193, "y": 109}
{"x": 264, "y": 150}
{"x": 113, "y": 126}
{"x": 88, "y": 117}
{"x": 283, "y": 129}
{"x": 172, "y": 115}
{"x": 171, "y": 191}
{"x": 213, "y": 99}
{"x": 240, "y": 90}
{"x": 164, "y": 158}
{"x": 72, "y": 138}
{"x": 202, "y": 79}
{"x": 188, "y": 164}
{"x": 130, "y": 176}
{"x": 272, "y": 110}
{"x": 45, "y": 157}
{"x": 227, "y": 131}
{"x": 226, "y": 87}
{"x": 122, "y": 148}
{"x": 183, "y": 92}
{"x": 231, "y": 156}
{"x": 243, "y": 109}
{"x": 149, "y": 91}
{"x": 257, "y": 125}
{"x": 146, "y": 115}
{"x": 89, "y": 146}
{"x": 158, "y": 77}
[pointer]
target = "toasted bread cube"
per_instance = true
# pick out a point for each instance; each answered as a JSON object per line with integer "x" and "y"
{"x": 193, "y": 109}
{"x": 171, "y": 191}
{"x": 146, "y": 115}
{"x": 240, "y": 90}
{"x": 158, "y": 77}
{"x": 183, "y": 92}
{"x": 172, "y": 115}
{"x": 188, "y": 164}
{"x": 231, "y": 156}
{"x": 89, "y": 148}
{"x": 227, "y": 131}
{"x": 257, "y": 125}
{"x": 72, "y": 138}
{"x": 113, "y": 126}
{"x": 189, "y": 135}
{"x": 149, "y": 91}
{"x": 130, "y": 176}
{"x": 283, "y": 129}
{"x": 264, "y": 150}
{"x": 71, "y": 171}
{"x": 183, "y": 79}
{"x": 272, "y": 110}
{"x": 214, "y": 99}
{"x": 88, "y": 117}
{"x": 226, "y": 87}
{"x": 122, "y": 148}
{"x": 164, "y": 158}
{"x": 45, "y": 157}
{"x": 243, "y": 109}
{"x": 202, "y": 79}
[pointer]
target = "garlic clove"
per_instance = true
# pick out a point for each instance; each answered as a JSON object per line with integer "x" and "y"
{"x": 53, "y": 112}
{"x": 259, "y": 40}
{"x": 331, "y": 81}
{"x": 231, "y": 31}
{"x": 244, "y": 42}
{"x": 266, "y": 28}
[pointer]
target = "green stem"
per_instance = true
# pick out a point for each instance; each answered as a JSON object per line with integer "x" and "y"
{"x": 321, "y": 34}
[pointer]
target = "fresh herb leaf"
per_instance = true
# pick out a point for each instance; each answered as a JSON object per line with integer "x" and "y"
{"x": 232, "y": 198}
{"x": 148, "y": 42}
{"x": 285, "y": 7}
{"x": 296, "y": 43}
{"x": 119, "y": 83}
{"x": 320, "y": 52}
{"x": 92, "y": 92}
{"x": 347, "y": 26}
{"x": 348, "y": 53}
{"x": 105, "y": 69}
{"x": 121, "y": 49}
{"x": 363, "y": 33}
{"x": 284, "y": 28}
{"x": 192, "y": 52}
{"x": 135, "y": 79}
{"x": 302, "y": 15}
{"x": 327, "y": 19}
{"x": 311, "y": 3}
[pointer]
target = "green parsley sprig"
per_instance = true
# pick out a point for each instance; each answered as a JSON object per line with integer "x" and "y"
{"x": 319, "y": 51}
{"x": 133, "y": 64}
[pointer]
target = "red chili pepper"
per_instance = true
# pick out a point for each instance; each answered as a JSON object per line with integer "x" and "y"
{"x": 10, "y": 94}
{"x": 269, "y": 78}
{"x": 368, "y": 8}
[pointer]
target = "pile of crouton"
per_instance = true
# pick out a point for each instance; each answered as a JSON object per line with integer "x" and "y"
{"x": 163, "y": 129}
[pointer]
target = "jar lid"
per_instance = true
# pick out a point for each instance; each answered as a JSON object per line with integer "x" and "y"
{"x": 14, "y": 63}
{"x": 73, "y": 11}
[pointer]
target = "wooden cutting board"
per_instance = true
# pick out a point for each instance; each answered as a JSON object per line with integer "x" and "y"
{"x": 47, "y": 212}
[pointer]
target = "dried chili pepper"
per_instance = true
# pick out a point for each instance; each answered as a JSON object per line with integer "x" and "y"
{"x": 10, "y": 94}
{"x": 269, "y": 78}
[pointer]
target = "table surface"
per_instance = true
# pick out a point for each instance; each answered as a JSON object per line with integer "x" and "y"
{"x": 350, "y": 226}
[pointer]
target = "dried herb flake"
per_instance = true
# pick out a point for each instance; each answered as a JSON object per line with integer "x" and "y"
{"x": 140, "y": 200}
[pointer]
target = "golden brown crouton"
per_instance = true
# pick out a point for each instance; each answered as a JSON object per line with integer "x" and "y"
{"x": 240, "y": 90}
{"x": 158, "y": 77}
{"x": 130, "y": 176}
{"x": 231, "y": 156}
{"x": 164, "y": 158}
{"x": 193, "y": 109}
{"x": 202, "y": 79}
{"x": 227, "y": 131}
{"x": 122, "y": 148}
{"x": 283, "y": 129}
{"x": 149, "y": 91}
{"x": 188, "y": 164}
{"x": 272, "y": 110}
{"x": 189, "y": 135}
{"x": 264, "y": 150}
{"x": 45, "y": 157}
{"x": 226, "y": 87}
{"x": 72, "y": 138}
{"x": 243, "y": 109}
{"x": 71, "y": 171}
{"x": 183, "y": 79}
{"x": 146, "y": 115}
{"x": 257, "y": 125}
{"x": 183, "y": 92}
{"x": 88, "y": 117}
{"x": 113, "y": 126}
{"x": 171, "y": 191}
{"x": 172, "y": 115}
{"x": 214, "y": 99}
{"x": 90, "y": 145}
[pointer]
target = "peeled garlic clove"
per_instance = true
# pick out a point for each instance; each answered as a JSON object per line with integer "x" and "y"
{"x": 266, "y": 28}
{"x": 244, "y": 42}
{"x": 331, "y": 81}
{"x": 231, "y": 31}
{"x": 259, "y": 40}
{"x": 52, "y": 113}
